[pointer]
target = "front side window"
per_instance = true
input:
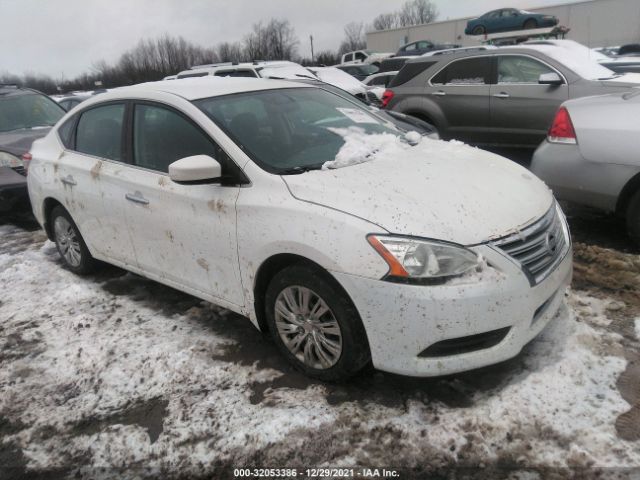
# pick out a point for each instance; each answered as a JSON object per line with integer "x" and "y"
{"x": 162, "y": 136}
{"x": 28, "y": 111}
{"x": 470, "y": 71}
{"x": 410, "y": 47}
{"x": 360, "y": 56}
{"x": 99, "y": 132}
{"x": 517, "y": 69}
{"x": 290, "y": 128}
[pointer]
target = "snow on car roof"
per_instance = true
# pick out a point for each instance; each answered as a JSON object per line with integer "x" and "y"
{"x": 209, "y": 86}
{"x": 573, "y": 55}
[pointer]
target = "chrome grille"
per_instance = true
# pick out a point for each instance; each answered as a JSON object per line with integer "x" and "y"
{"x": 539, "y": 247}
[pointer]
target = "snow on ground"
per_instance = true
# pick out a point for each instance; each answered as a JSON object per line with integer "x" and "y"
{"x": 114, "y": 375}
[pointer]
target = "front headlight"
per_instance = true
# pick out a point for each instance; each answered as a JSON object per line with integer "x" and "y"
{"x": 8, "y": 160}
{"x": 415, "y": 259}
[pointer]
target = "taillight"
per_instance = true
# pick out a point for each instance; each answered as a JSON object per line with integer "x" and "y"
{"x": 26, "y": 159}
{"x": 386, "y": 97}
{"x": 562, "y": 130}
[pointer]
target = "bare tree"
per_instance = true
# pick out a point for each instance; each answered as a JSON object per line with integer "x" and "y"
{"x": 385, "y": 21}
{"x": 417, "y": 12}
{"x": 354, "y": 38}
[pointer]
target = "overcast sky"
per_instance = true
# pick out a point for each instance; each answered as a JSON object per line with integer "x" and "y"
{"x": 65, "y": 37}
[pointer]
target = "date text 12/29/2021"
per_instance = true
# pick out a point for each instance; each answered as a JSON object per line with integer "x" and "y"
{"x": 315, "y": 473}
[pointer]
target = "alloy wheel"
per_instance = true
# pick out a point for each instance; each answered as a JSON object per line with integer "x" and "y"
{"x": 67, "y": 241}
{"x": 308, "y": 327}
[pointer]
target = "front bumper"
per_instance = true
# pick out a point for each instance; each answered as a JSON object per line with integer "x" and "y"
{"x": 13, "y": 189}
{"x": 402, "y": 321}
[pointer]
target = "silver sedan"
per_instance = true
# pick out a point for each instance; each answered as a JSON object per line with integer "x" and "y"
{"x": 590, "y": 156}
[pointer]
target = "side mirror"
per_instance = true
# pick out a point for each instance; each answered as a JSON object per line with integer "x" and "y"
{"x": 195, "y": 169}
{"x": 551, "y": 78}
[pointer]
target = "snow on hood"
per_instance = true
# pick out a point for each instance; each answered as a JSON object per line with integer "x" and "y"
{"x": 442, "y": 190}
{"x": 335, "y": 76}
{"x": 292, "y": 72}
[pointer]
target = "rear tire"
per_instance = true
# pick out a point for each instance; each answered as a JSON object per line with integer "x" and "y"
{"x": 315, "y": 325}
{"x": 530, "y": 24}
{"x": 70, "y": 244}
{"x": 633, "y": 218}
{"x": 479, "y": 30}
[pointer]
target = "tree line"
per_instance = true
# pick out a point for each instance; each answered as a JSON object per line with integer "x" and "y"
{"x": 154, "y": 59}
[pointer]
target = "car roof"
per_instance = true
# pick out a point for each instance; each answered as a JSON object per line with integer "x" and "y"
{"x": 200, "y": 87}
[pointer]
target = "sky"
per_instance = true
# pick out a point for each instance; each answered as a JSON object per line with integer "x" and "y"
{"x": 64, "y": 38}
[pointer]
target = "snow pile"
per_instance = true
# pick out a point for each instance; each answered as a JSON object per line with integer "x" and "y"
{"x": 119, "y": 372}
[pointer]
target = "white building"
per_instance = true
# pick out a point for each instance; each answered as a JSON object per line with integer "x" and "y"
{"x": 595, "y": 23}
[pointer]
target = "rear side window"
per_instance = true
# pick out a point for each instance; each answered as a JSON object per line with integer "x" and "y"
{"x": 65, "y": 132}
{"x": 517, "y": 69}
{"x": 409, "y": 71}
{"x": 470, "y": 71}
{"x": 236, "y": 73}
{"x": 99, "y": 132}
{"x": 161, "y": 136}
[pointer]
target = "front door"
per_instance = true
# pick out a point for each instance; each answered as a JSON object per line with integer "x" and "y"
{"x": 183, "y": 233}
{"x": 521, "y": 108}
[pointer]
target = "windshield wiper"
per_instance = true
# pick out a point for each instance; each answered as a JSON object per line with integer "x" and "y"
{"x": 300, "y": 169}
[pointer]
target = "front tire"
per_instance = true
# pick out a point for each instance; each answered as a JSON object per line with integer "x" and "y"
{"x": 315, "y": 325}
{"x": 70, "y": 244}
{"x": 633, "y": 218}
{"x": 478, "y": 30}
{"x": 530, "y": 24}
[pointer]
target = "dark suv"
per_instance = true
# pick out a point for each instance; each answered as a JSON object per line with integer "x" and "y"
{"x": 25, "y": 116}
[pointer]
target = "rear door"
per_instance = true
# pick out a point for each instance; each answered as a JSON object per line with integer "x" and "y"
{"x": 95, "y": 151}
{"x": 521, "y": 108}
{"x": 461, "y": 91}
{"x": 185, "y": 234}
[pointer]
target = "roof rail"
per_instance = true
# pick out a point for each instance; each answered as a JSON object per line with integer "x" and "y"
{"x": 209, "y": 65}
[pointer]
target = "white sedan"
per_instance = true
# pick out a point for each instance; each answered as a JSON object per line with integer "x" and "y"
{"x": 347, "y": 241}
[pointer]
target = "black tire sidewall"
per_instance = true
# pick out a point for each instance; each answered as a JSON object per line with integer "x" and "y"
{"x": 479, "y": 30}
{"x": 355, "y": 348}
{"x": 633, "y": 218}
{"x": 87, "y": 262}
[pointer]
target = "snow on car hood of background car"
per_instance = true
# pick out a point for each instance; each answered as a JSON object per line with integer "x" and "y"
{"x": 441, "y": 190}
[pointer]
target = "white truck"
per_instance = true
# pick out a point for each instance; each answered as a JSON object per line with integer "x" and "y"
{"x": 364, "y": 56}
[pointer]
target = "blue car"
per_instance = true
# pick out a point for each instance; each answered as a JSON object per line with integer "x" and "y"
{"x": 508, "y": 19}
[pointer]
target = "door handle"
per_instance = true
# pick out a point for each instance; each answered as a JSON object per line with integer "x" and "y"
{"x": 439, "y": 93}
{"x": 68, "y": 180}
{"x": 501, "y": 95}
{"x": 136, "y": 197}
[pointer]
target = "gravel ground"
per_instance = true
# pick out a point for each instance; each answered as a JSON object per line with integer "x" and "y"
{"x": 114, "y": 376}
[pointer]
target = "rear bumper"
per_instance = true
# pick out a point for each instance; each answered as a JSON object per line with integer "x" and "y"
{"x": 13, "y": 189}
{"x": 439, "y": 330}
{"x": 574, "y": 179}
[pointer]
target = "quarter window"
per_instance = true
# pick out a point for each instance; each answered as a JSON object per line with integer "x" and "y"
{"x": 99, "y": 132}
{"x": 517, "y": 69}
{"x": 162, "y": 136}
{"x": 470, "y": 71}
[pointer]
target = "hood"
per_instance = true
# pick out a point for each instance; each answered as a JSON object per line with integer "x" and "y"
{"x": 18, "y": 142}
{"x": 440, "y": 190}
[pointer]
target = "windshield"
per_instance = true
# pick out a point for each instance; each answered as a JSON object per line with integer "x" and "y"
{"x": 290, "y": 130}
{"x": 28, "y": 111}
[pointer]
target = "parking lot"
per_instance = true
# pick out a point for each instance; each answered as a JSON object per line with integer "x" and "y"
{"x": 115, "y": 373}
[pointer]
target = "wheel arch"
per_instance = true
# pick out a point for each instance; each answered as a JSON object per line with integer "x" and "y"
{"x": 627, "y": 192}
{"x": 48, "y": 205}
{"x": 270, "y": 267}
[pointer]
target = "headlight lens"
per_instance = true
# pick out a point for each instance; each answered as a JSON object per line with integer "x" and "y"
{"x": 8, "y": 160}
{"x": 414, "y": 258}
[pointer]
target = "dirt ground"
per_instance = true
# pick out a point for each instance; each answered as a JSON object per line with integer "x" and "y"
{"x": 114, "y": 376}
